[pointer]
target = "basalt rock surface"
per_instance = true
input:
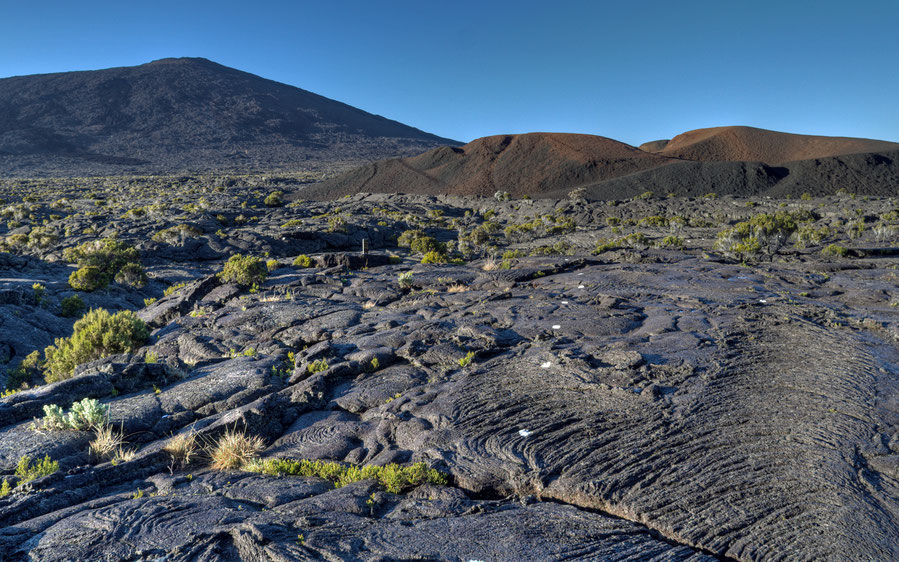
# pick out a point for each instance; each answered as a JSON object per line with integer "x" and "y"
{"x": 639, "y": 402}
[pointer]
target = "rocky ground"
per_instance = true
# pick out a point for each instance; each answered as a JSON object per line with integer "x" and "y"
{"x": 597, "y": 380}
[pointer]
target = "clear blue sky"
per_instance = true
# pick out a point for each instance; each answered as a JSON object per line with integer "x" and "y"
{"x": 633, "y": 71}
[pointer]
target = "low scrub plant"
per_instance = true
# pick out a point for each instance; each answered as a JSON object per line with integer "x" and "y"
{"x": 244, "y": 270}
{"x": 99, "y": 261}
{"x": 97, "y": 334}
{"x": 72, "y": 306}
{"x": 27, "y": 471}
{"x": 835, "y": 250}
{"x": 393, "y": 477}
{"x": 83, "y": 415}
{"x": 302, "y": 260}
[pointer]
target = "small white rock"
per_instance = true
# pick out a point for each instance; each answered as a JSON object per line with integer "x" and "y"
{"x": 546, "y": 365}
{"x": 556, "y": 326}
{"x": 524, "y": 433}
{"x": 564, "y": 302}
{"x": 763, "y": 301}
{"x": 580, "y": 286}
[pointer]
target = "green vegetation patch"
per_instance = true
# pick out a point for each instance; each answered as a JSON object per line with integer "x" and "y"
{"x": 244, "y": 270}
{"x": 96, "y": 335}
{"x": 393, "y": 477}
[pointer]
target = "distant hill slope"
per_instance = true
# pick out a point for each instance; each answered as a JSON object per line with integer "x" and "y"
{"x": 727, "y": 160}
{"x": 183, "y": 114}
{"x": 748, "y": 144}
{"x": 528, "y": 164}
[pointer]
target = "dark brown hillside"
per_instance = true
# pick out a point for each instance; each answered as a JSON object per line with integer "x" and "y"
{"x": 183, "y": 114}
{"x": 748, "y": 144}
{"x": 530, "y": 164}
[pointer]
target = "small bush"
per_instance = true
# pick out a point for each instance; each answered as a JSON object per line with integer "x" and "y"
{"x": 302, "y": 260}
{"x": 835, "y": 250}
{"x": 234, "y": 449}
{"x": 392, "y": 477}
{"x": 317, "y": 366}
{"x": 244, "y": 270}
{"x": 671, "y": 241}
{"x": 274, "y": 199}
{"x": 97, "y": 334}
{"x": 131, "y": 275}
{"x": 28, "y": 472}
{"x": 420, "y": 243}
{"x": 272, "y": 265}
{"x": 24, "y": 372}
{"x": 88, "y": 278}
{"x": 466, "y": 361}
{"x": 108, "y": 255}
{"x": 434, "y": 257}
{"x": 89, "y": 413}
{"x": 172, "y": 289}
{"x": 404, "y": 280}
{"x": 72, "y": 306}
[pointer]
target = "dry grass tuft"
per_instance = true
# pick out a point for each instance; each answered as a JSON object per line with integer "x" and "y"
{"x": 490, "y": 264}
{"x": 106, "y": 443}
{"x": 456, "y": 288}
{"x": 109, "y": 445}
{"x": 182, "y": 447}
{"x": 233, "y": 449}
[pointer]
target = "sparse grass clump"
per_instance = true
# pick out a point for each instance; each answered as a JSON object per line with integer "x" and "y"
{"x": 97, "y": 334}
{"x": 302, "y": 260}
{"x": 392, "y": 477}
{"x": 182, "y": 448}
{"x": 244, "y": 270}
{"x": 234, "y": 449}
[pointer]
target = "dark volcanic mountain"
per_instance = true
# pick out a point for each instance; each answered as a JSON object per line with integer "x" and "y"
{"x": 726, "y": 160}
{"x": 184, "y": 114}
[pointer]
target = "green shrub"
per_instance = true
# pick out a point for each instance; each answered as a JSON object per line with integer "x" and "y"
{"x": 434, "y": 257}
{"x": 108, "y": 255}
{"x": 84, "y": 415}
{"x": 392, "y": 477}
{"x": 88, "y": 278}
{"x": 72, "y": 306}
{"x": 131, "y": 275}
{"x": 302, "y": 260}
{"x": 274, "y": 199}
{"x": 404, "y": 279}
{"x": 97, "y": 334}
{"x": 317, "y": 366}
{"x": 28, "y": 472}
{"x": 244, "y": 270}
{"x": 835, "y": 250}
{"x": 762, "y": 233}
{"x": 172, "y": 289}
{"x": 24, "y": 371}
{"x": 420, "y": 243}
{"x": 671, "y": 241}
{"x": 177, "y": 234}
{"x": 272, "y": 265}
